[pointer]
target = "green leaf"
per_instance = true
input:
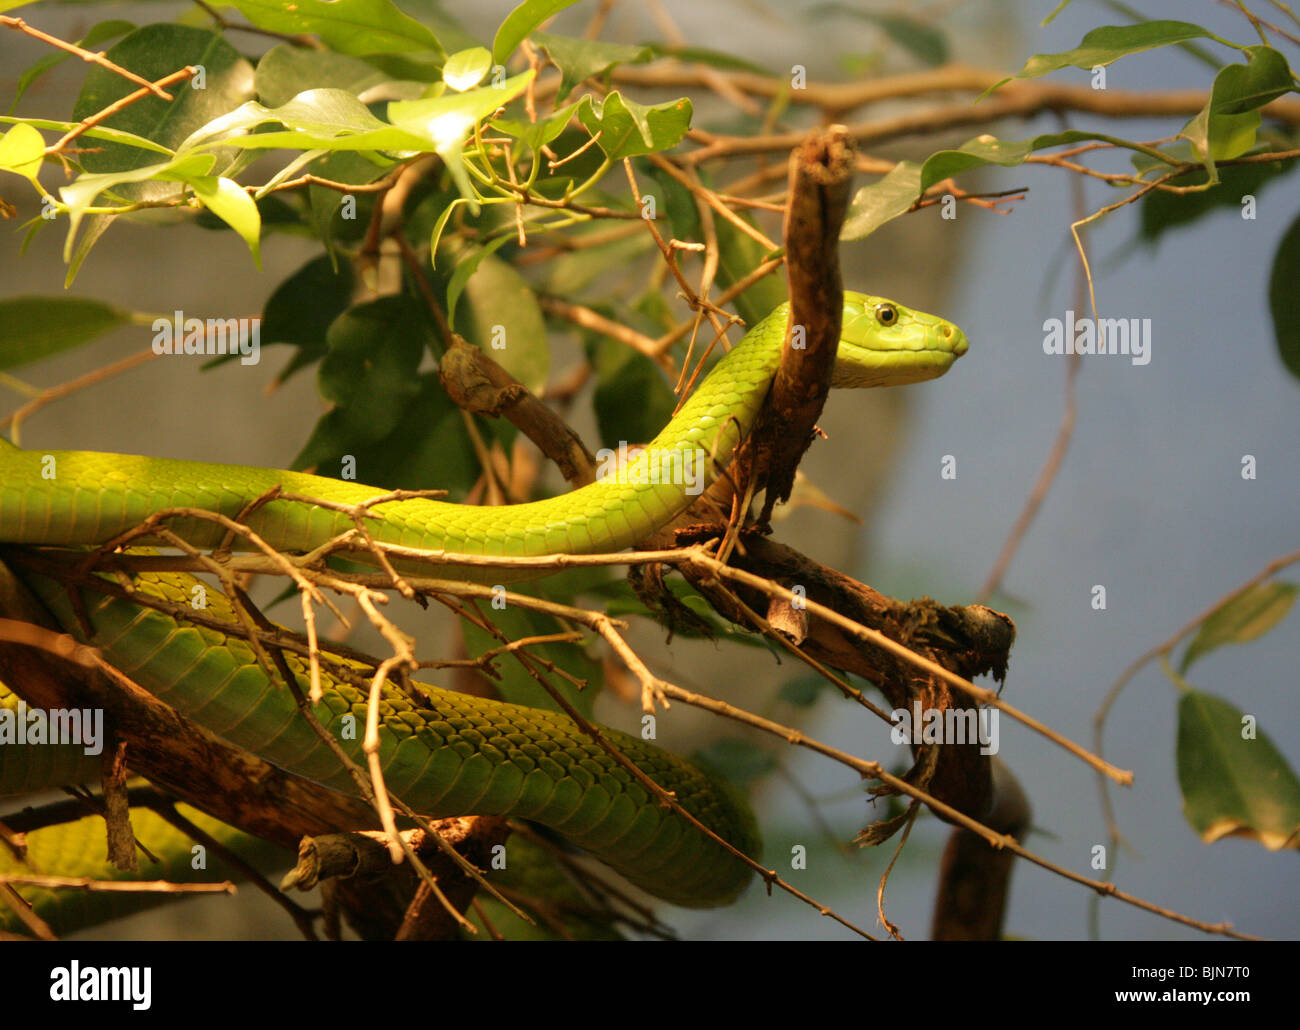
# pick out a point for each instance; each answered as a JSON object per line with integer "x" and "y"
{"x": 633, "y": 400}
{"x": 126, "y": 139}
{"x": 1225, "y": 127}
{"x": 32, "y": 328}
{"x": 22, "y": 149}
{"x": 1246, "y": 87}
{"x": 580, "y": 59}
{"x": 1233, "y": 787}
{"x": 520, "y": 22}
{"x": 302, "y": 307}
{"x": 316, "y": 119}
{"x": 516, "y": 684}
{"x": 397, "y": 425}
{"x": 466, "y": 265}
{"x": 427, "y": 446}
{"x": 369, "y": 370}
{"x": 345, "y": 26}
{"x": 894, "y": 195}
{"x": 738, "y": 255}
{"x": 153, "y": 52}
{"x": 1242, "y": 618}
{"x": 467, "y": 68}
{"x": 98, "y": 34}
{"x": 628, "y": 128}
{"x": 286, "y": 70}
{"x": 537, "y": 134}
{"x": 342, "y": 166}
{"x": 1105, "y": 45}
{"x": 1284, "y": 299}
{"x": 498, "y": 311}
{"x": 82, "y": 192}
{"x": 439, "y": 226}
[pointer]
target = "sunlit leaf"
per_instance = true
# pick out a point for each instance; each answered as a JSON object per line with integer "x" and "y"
{"x": 345, "y": 26}
{"x": 467, "y": 68}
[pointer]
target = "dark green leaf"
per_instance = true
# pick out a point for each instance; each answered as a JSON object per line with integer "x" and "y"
{"x": 369, "y": 370}
{"x": 302, "y": 308}
{"x": 1107, "y": 44}
{"x": 633, "y": 400}
{"x": 428, "y": 447}
{"x": 1233, "y": 786}
{"x": 1242, "y": 618}
{"x": 1246, "y": 87}
{"x": 1284, "y": 298}
{"x": 397, "y": 425}
{"x": 326, "y": 203}
{"x": 153, "y": 52}
{"x": 32, "y": 328}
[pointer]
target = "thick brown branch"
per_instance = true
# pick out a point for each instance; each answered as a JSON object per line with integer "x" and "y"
{"x": 821, "y": 172}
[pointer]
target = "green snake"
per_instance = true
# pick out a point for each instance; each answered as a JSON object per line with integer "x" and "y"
{"x": 443, "y": 752}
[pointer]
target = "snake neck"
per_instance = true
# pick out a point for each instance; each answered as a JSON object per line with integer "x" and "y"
{"x": 85, "y": 498}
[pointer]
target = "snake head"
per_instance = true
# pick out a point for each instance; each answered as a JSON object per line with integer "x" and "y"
{"x": 883, "y": 343}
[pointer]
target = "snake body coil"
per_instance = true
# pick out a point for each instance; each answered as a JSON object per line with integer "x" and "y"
{"x": 445, "y": 753}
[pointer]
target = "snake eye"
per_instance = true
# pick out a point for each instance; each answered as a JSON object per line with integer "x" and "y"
{"x": 886, "y": 314}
